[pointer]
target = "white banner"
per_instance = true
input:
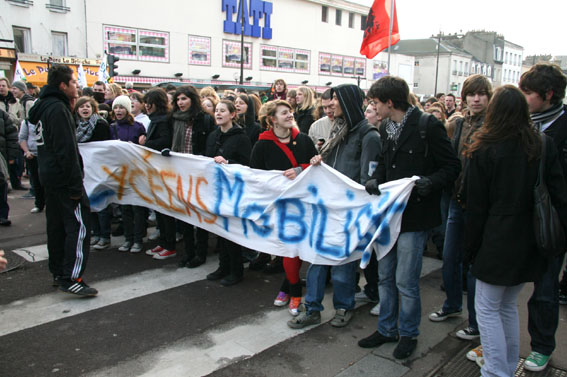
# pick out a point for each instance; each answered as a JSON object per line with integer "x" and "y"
{"x": 81, "y": 77}
{"x": 19, "y": 74}
{"x": 102, "y": 73}
{"x": 322, "y": 216}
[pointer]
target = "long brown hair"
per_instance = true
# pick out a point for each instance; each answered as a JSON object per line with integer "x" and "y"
{"x": 507, "y": 117}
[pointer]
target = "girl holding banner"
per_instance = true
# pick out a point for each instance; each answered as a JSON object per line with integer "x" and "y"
{"x": 228, "y": 144}
{"x": 283, "y": 147}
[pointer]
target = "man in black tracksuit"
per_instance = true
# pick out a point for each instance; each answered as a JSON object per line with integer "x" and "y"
{"x": 60, "y": 172}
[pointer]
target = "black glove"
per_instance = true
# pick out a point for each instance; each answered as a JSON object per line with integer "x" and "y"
{"x": 424, "y": 186}
{"x": 165, "y": 152}
{"x": 371, "y": 187}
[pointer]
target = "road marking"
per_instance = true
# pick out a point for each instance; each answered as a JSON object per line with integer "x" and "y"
{"x": 222, "y": 346}
{"x": 34, "y": 311}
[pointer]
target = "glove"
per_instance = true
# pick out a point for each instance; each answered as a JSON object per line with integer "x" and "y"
{"x": 165, "y": 152}
{"x": 371, "y": 187}
{"x": 424, "y": 186}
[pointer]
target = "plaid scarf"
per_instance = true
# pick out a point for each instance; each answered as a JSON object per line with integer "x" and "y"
{"x": 394, "y": 129}
{"x": 337, "y": 135}
{"x": 86, "y": 128}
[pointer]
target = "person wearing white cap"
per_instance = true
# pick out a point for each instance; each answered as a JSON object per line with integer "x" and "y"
{"x": 125, "y": 128}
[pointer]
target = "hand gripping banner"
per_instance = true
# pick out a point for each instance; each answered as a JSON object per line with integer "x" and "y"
{"x": 322, "y": 216}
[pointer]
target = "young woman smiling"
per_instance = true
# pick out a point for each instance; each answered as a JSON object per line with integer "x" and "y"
{"x": 284, "y": 148}
{"x": 228, "y": 144}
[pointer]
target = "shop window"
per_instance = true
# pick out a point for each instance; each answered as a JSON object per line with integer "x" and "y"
{"x": 231, "y": 54}
{"x": 137, "y": 44}
{"x": 284, "y": 59}
{"x": 199, "y": 50}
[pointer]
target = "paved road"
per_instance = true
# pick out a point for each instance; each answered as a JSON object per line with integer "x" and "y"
{"x": 154, "y": 319}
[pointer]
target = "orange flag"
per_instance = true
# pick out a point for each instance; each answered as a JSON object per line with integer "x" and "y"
{"x": 377, "y": 28}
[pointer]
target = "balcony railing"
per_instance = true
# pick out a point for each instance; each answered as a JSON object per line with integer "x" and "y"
{"x": 22, "y": 3}
{"x": 57, "y": 8}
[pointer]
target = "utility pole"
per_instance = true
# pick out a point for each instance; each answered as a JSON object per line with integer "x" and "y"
{"x": 242, "y": 5}
{"x": 437, "y": 63}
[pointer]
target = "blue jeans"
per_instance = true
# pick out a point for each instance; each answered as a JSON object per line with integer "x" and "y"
{"x": 344, "y": 281}
{"x": 399, "y": 273}
{"x": 453, "y": 259}
{"x": 499, "y": 325}
{"x": 543, "y": 308}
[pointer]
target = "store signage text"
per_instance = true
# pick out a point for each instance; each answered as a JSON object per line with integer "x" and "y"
{"x": 256, "y": 9}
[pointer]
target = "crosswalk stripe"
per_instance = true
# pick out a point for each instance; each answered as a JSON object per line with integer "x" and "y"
{"x": 34, "y": 311}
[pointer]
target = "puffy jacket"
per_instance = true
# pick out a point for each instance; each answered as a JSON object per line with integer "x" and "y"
{"x": 8, "y": 137}
{"x": 233, "y": 145}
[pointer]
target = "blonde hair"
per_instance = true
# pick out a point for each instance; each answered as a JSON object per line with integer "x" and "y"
{"x": 268, "y": 110}
{"x": 209, "y": 91}
{"x": 309, "y": 100}
{"x": 115, "y": 88}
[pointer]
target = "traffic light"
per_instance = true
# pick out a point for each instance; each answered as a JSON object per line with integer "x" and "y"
{"x": 111, "y": 62}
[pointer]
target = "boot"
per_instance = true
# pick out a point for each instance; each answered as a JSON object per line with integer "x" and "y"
{"x": 275, "y": 266}
{"x": 260, "y": 262}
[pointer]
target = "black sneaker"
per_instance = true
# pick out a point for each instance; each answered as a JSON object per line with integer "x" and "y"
{"x": 405, "y": 347}
{"x": 77, "y": 287}
{"x": 56, "y": 281}
{"x": 195, "y": 262}
{"x": 441, "y": 315}
{"x": 216, "y": 275}
{"x": 231, "y": 280}
{"x": 376, "y": 340}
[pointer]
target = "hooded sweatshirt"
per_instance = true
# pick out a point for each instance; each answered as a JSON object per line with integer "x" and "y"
{"x": 60, "y": 165}
{"x": 356, "y": 149}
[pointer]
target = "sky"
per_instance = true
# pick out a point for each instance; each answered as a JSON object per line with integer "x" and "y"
{"x": 538, "y": 26}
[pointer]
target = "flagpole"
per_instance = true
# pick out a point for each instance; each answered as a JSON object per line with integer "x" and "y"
{"x": 390, "y": 31}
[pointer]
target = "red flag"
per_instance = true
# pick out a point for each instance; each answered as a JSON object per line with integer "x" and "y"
{"x": 377, "y": 28}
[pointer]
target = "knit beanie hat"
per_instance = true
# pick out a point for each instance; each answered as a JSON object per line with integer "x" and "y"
{"x": 123, "y": 101}
{"x": 20, "y": 85}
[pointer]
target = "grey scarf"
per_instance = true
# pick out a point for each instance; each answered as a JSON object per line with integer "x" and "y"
{"x": 181, "y": 120}
{"x": 86, "y": 128}
{"x": 546, "y": 116}
{"x": 394, "y": 129}
{"x": 338, "y": 133}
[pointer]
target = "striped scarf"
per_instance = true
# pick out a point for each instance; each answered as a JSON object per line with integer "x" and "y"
{"x": 546, "y": 116}
{"x": 394, "y": 129}
{"x": 85, "y": 128}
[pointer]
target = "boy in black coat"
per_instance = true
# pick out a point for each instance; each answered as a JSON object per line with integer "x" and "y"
{"x": 408, "y": 149}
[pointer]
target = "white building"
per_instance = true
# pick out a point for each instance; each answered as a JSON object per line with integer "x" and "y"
{"x": 313, "y": 41}
{"x": 511, "y": 65}
{"x": 41, "y": 28}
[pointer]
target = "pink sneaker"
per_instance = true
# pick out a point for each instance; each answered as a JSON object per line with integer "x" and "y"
{"x": 282, "y": 299}
{"x": 294, "y": 303}
{"x": 164, "y": 254}
{"x": 156, "y": 250}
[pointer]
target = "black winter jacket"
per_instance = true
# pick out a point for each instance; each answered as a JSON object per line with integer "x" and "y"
{"x": 248, "y": 122}
{"x": 498, "y": 189}
{"x": 558, "y": 132}
{"x": 159, "y": 132}
{"x": 304, "y": 119}
{"x": 407, "y": 158}
{"x": 233, "y": 145}
{"x": 266, "y": 154}
{"x": 8, "y": 137}
{"x": 60, "y": 165}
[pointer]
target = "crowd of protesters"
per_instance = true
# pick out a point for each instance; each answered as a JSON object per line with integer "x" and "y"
{"x": 477, "y": 160}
